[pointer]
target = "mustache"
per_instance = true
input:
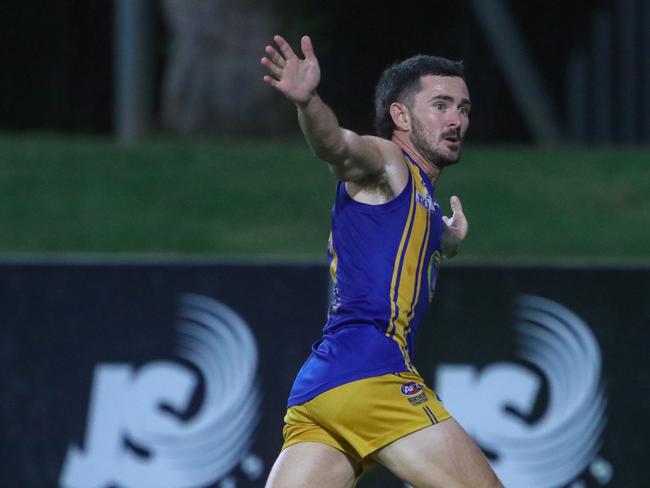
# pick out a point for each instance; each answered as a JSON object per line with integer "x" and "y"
{"x": 451, "y": 133}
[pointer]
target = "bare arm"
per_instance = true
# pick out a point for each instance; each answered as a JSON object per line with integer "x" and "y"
{"x": 352, "y": 157}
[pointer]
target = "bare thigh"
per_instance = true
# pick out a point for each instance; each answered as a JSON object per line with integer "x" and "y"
{"x": 311, "y": 464}
{"x": 439, "y": 456}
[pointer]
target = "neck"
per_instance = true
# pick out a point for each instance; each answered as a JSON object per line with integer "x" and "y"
{"x": 404, "y": 142}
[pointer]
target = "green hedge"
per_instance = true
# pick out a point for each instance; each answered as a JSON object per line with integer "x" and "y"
{"x": 272, "y": 199}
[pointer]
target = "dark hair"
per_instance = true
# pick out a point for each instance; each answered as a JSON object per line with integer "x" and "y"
{"x": 401, "y": 82}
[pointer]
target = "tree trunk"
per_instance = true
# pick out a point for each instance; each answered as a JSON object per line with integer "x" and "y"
{"x": 213, "y": 80}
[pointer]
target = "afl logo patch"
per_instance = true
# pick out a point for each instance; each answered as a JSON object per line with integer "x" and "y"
{"x": 411, "y": 388}
{"x": 414, "y": 393}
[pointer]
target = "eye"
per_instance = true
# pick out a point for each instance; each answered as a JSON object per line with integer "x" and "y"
{"x": 439, "y": 106}
{"x": 464, "y": 110}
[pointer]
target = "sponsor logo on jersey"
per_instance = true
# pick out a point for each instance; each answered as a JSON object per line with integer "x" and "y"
{"x": 426, "y": 201}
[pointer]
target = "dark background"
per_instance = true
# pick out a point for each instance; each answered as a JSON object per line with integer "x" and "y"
{"x": 57, "y": 57}
{"x": 60, "y": 321}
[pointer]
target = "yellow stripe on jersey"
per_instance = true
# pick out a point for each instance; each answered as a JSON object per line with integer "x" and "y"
{"x": 409, "y": 270}
{"x": 419, "y": 274}
{"x": 423, "y": 252}
{"x": 398, "y": 259}
{"x": 335, "y": 259}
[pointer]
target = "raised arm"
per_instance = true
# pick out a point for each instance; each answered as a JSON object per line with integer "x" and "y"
{"x": 352, "y": 157}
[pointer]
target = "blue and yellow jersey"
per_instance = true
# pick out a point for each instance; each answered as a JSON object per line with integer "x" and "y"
{"x": 384, "y": 261}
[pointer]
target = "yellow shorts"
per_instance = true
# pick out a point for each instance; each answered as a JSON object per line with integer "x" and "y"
{"x": 363, "y": 416}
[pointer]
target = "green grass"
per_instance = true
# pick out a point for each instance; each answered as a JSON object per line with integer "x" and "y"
{"x": 273, "y": 199}
{"x": 553, "y": 203}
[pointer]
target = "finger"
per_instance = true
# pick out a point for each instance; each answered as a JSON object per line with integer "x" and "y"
{"x": 456, "y": 206}
{"x": 448, "y": 222}
{"x": 272, "y": 67}
{"x": 271, "y": 81}
{"x": 285, "y": 48}
{"x": 275, "y": 56}
{"x": 307, "y": 48}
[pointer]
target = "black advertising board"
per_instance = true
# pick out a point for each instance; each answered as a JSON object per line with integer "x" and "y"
{"x": 176, "y": 374}
{"x": 548, "y": 369}
{"x": 82, "y": 343}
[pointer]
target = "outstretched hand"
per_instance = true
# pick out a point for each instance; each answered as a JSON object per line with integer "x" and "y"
{"x": 296, "y": 78}
{"x": 456, "y": 228}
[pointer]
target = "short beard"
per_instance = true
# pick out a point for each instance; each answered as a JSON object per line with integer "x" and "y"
{"x": 419, "y": 140}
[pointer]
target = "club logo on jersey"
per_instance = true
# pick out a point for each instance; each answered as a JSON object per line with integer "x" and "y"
{"x": 432, "y": 273}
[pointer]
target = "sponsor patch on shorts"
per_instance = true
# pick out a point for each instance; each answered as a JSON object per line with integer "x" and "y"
{"x": 414, "y": 392}
{"x": 411, "y": 388}
{"x": 418, "y": 399}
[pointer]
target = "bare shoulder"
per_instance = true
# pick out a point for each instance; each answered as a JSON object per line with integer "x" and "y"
{"x": 386, "y": 183}
{"x": 387, "y": 150}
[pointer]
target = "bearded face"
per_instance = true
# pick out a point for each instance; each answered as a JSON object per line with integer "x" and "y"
{"x": 439, "y": 118}
{"x": 441, "y": 151}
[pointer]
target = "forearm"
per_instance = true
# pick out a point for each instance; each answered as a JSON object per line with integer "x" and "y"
{"x": 322, "y": 131}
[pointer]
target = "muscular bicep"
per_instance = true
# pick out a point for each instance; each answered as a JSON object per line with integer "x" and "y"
{"x": 364, "y": 156}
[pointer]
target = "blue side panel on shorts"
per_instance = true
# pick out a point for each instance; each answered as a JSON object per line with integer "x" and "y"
{"x": 384, "y": 261}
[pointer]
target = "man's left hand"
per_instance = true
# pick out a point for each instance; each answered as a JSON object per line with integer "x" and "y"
{"x": 455, "y": 230}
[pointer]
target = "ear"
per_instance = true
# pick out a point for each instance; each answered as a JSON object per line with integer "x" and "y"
{"x": 400, "y": 115}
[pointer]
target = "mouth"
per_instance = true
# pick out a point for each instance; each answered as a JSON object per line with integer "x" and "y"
{"x": 453, "y": 142}
{"x": 452, "y": 137}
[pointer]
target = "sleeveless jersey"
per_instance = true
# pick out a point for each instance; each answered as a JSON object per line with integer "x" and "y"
{"x": 384, "y": 261}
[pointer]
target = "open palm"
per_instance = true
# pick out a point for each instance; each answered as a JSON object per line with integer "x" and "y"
{"x": 296, "y": 78}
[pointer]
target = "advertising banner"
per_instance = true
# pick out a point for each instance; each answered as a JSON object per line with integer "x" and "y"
{"x": 547, "y": 368}
{"x": 175, "y": 375}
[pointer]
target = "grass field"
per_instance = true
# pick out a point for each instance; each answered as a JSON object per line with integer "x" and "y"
{"x": 272, "y": 200}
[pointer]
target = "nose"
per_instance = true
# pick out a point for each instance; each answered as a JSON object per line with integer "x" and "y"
{"x": 453, "y": 119}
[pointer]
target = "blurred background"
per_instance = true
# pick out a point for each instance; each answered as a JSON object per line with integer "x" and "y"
{"x": 139, "y": 145}
{"x": 139, "y": 123}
